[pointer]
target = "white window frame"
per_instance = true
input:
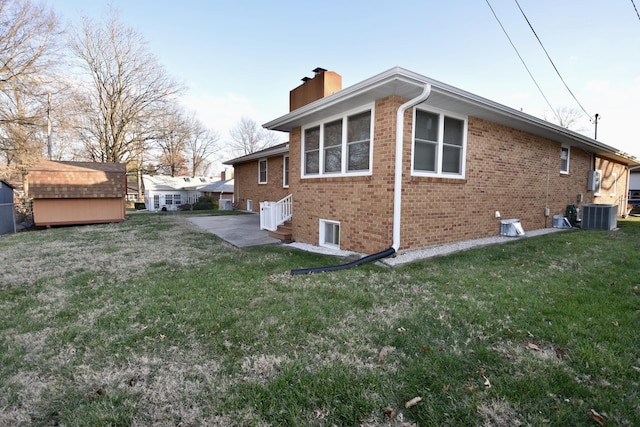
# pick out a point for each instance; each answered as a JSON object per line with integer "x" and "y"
{"x": 344, "y": 145}
{"x": 168, "y": 199}
{"x": 598, "y": 182}
{"x": 250, "y": 205}
{"x": 156, "y": 202}
{"x": 438, "y": 172}
{"x": 562, "y": 149}
{"x": 323, "y": 237}
{"x": 285, "y": 171}
{"x": 266, "y": 171}
{"x": 614, "y": 176}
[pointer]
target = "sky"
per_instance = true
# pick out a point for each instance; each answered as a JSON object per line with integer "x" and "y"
{"x": 241, "y": 58}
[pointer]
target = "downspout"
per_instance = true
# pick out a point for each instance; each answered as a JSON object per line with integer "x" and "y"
{"x": 397, "y": 197}
{"x": 397, "y": 187}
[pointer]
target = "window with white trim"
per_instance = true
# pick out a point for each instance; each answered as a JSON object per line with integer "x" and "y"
{"x": 329, "y": 233}
{"x": 564, "y": 159}
{"x": 156, "y": 201}
{"x": 262, "y": 171}
{"x": 339, "y": 146}
{"x": 614, "y": 185}
{"x": 168, "y": 199}
{"x": 439, "y": 143}
{"x": 177, "y": 199}
{"x": 285, "y": 171}
{"x": 250, "y": 205}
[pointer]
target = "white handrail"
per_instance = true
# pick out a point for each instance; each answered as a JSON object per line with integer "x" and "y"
{"x": 273, "y": 214}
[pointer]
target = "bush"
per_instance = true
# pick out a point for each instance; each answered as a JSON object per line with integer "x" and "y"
{"x": 205, "y": 203}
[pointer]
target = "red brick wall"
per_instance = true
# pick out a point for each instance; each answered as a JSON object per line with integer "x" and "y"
{"x": 246, "y": 185}
{"x": 509, "y": 171}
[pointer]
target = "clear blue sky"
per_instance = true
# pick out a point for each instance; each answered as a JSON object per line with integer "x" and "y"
{"x": 243, "y": 57}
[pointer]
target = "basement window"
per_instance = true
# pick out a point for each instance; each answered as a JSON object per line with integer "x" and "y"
{"x": 329, "y": 233}
{"x": 564, "y": 159}
{"x": 262, "y": 171}
{"x": 439, "y": 144}
{"x": 341, "y": 145}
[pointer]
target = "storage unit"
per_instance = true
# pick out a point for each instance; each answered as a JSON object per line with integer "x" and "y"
{"x": 599, "y": 217}
{"x": 225, "y": 204}
{"x": 7, "y": 210}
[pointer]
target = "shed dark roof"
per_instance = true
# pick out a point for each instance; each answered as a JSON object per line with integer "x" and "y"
{"x": 71, "y": 180}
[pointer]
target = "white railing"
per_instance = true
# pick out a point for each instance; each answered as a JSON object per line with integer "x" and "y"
{"x": 272, "y": 214}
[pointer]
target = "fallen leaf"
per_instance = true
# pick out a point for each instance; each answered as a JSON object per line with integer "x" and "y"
{"x": 471, "y": 388}
{"x": 532, "y": 346}
{"x": 612, "y": 284}
{"x": 99, "y": 392}
{"x": 596, "y": 417}
{"x": 413, "y": 402}
{"x": 390, "y": 413}
{"x": 560, "y": 354}
{"x": 132, "y": 381}
{"x": 425, "y": 349}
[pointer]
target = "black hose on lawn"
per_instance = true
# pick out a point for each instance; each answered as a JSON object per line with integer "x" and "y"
{"x": 368, "y": 258}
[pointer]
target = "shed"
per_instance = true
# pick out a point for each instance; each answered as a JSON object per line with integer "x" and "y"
{"x": 7, "y": 209}
{"x": 67, "y": 193}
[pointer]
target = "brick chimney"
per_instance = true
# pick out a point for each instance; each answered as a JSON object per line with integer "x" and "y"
{"x": 324, "y": 83}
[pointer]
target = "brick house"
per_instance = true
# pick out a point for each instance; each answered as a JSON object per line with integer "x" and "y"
{"x": 66, "y": 193}
{"x": 404, "y": 161}
{"x": 261, "y": 176}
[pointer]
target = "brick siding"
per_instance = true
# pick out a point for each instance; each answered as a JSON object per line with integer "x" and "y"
{"x": 507, "y": 170}
{"x": 247, "y": 187}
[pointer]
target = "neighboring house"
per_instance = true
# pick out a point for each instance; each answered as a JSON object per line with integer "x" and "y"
{"x": 261, "y": 176}
{"x": 7, "y": 209}
{"x": 404, "y": 161}
{"x": 66, "y": 193}
{"x": 219, "y": 190}
{"x": 169, "y": 192}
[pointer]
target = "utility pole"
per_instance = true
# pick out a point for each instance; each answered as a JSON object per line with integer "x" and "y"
{"x": 597, "y": 116}
{"x": 49, "y": 149}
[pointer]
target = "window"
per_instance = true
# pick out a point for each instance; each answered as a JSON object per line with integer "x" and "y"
{"x": 156, "y": 201}
{"x": 262, "y": 171}
{"x": 329, "y": 233}
{"x": 168, "y": 199}
{"x": 564, "y": 159}
{"x": 177, "y": 199}
{"x": 250, "y": 205}
{"x": 340, "y": 146}
{"x": 439, "y": 144}
{"x": 285, "y": 171}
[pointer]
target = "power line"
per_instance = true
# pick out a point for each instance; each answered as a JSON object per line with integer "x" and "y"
{"x": 522, "y": 60}
{"x": 551, "y": 61}
{"x": 636, "y": 9}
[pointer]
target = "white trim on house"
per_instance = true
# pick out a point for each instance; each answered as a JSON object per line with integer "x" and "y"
{"x": 329, "y": 241}
{"x": 344, "y": 145}
{"x": 408, "y": 84}
{"x": 566, "y": 169}
{"x": 266, "y": 171}
{"x": 285, "y": 171}
{"x": 439, "y": 152}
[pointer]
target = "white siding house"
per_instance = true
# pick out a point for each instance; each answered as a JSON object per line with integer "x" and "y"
{"x": 169, "y": 192}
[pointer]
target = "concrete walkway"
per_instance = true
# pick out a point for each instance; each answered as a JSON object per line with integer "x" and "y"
{"x": 239, "y": 230}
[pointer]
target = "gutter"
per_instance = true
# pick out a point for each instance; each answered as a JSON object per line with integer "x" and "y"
{"x": 397, "y": 187}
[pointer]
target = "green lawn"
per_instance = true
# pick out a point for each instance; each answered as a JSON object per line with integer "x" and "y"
{"x": 155, "y": 322}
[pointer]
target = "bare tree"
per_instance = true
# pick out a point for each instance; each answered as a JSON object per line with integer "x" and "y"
{"x": 125, "y": 91}
{"x": 28, "y": 54}
{"x": 201, "y": 144}
{"x": 566, "y": 117}
{"x": 248, "y": 137}
{"x": 173, "y": 133}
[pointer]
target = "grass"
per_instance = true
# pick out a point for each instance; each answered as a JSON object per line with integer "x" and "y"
{"x": 155, "y": 322}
